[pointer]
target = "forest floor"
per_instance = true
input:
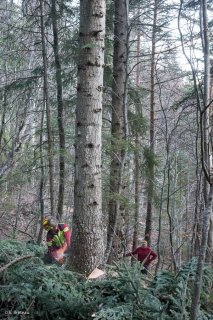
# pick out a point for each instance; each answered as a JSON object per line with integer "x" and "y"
{"x": 32, "y": 290}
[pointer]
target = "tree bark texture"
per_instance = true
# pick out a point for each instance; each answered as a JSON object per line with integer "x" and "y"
{"x": 118, "y": 126}
{"x": 87, "y": 238}
{"x": 206, "y": 162}
{"x": 206, "y": 96}
{"x": 42, "y": 176}
{"x": 59, "y": 88}
{"x": 210, "y": 235}
{"x": 137, "y": 148}
{"x": 149, "y": 214}
{"x": 47, "y": 108}
{"x": 201, "y": 258}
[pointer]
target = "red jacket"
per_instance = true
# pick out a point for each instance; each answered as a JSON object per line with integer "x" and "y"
{"x": 145, "y": 254}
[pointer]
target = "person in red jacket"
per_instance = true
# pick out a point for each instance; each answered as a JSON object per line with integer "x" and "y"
{"x": 58, "y": 239}
{"x": 145, "y": 255}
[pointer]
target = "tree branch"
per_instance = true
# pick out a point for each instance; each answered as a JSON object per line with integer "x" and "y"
{"x": 14, "y": 262}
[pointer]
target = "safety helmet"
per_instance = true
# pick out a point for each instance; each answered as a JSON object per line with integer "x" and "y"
{"x": 49, "y": 222}
{"x": 45, "y": 222}
{"x": 46, "y": 219}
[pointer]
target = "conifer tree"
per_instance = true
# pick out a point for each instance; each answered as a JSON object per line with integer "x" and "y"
{"x": 119, "y": 88}
{"x": 87, "y": 240}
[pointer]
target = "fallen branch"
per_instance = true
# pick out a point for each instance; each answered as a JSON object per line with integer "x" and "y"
{"x": 14, "y": 262}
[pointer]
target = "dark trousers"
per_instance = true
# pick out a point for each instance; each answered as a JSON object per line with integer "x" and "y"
{"x": 144, "y": 270}
{"x": 48, "y": 259}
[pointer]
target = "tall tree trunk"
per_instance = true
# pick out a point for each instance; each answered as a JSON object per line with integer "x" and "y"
{"x": 47, "y": 107}
{"x": 210, "y": 235}
{"x": 87, "y": 249}
{"x": 206, "y": 162}
{"x": 201, "y": 259}
{"x": 60, "y": 111}
{"x": 118, "y": 125}
{"x": 137, "y": 147}
{"x": 210, "y": 241}
{"x": 160, "y": 219}
{"x": 168, "y": 210}
{"x": 207, "y": 112}
{"x": 149, "y": 214}
{"x": 41, "y": 185}
{"x": 4, "y": 107}
{"x": 196, "y": 234}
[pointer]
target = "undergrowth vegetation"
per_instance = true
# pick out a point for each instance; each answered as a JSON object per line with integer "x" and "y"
{"x": 32, "y": 290}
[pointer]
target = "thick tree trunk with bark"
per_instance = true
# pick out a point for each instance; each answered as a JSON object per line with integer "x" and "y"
{"x": 87, "y": 248}
{"x": 118, "y": 127}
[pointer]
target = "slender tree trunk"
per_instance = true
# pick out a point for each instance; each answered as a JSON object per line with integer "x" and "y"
{"x": 136, "y": 195}
{"x": 60, "y": 111}
{"x": 205, "y": 117}
{"x": 160, "y": 212}
{"x": 3, "y": 118}
{"x": 196, "y": 235}
{"x": 48, "y": 116}
{"x": 210, "y": 235}
{"x": 171, "y": 224}
{"x": 148, "y": 228}
{"x": 206, "y": 162}
{"x": 137, "y": 148}
{"x": 175, "y": 219}
{"x": 195, "y": 242}
{"x": 4, "y": 104}
{"x": 201, "y": 259}
{"x": 207, "y": 113}
{"x": 41, "y": 186}
{"x": 210, "y": 241}
{"x": 87, "y": 250}
{"x": 118, "y": 126}
{"x": 17, "y": 215}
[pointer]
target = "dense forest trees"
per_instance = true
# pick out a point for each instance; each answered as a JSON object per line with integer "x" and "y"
{"x": 106, "y": 124}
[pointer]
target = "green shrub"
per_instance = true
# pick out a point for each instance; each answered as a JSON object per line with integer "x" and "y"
{"x": 32, "y": 290}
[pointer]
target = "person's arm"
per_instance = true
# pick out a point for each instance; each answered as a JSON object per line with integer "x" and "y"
{"x": 132, "y": 253}
{"x": 49, "y": 243}
{"x": 152, "y": 257}
{"x": 67, "y": 236}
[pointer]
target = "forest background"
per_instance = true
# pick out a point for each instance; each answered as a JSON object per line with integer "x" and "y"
{"x": 109, "y": 130}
